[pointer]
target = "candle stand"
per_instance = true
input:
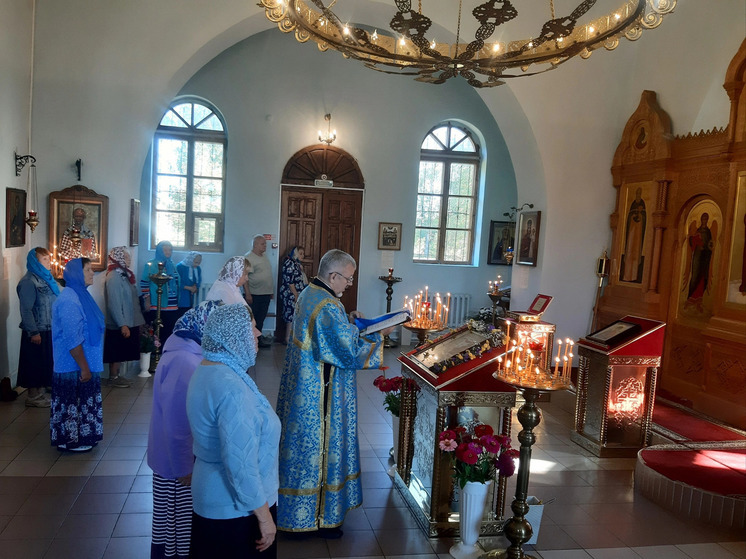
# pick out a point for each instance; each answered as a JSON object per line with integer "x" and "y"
{"x": 160, "y": 279}
{"x": 517, "y": 529}
{"x": 495, "y": 297}
{"x": 421, "y": 333}
{"x": 390, "y": 280}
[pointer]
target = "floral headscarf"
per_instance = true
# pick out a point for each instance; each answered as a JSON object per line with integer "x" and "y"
{"x": 117, "y": 262}
{"x": 233, "y": 270}
{"x": 34, "y": 266}
{"x": 191, "y": 325}
{"x": 75, "y": 280}
{"x": 228, "y": 338}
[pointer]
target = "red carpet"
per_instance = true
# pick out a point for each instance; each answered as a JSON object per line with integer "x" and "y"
{"x": 690, "y": 427}
{"x": 721, "y": 471}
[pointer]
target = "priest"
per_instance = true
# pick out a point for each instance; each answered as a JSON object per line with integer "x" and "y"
{"x": 317, "y": 405}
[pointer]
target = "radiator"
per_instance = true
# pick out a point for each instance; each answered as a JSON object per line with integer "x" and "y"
{"x": 459, "y": 309}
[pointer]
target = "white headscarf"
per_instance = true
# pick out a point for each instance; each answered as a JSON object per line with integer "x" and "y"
{"x": 225, "y": 288}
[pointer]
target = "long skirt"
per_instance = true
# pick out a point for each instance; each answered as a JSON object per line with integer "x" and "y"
{"x": 172, "y": 518}
{"x": 35, "y": 362}
{"x": 76, "y": 417}
{"x": 118, "y": 349}
{"x": 231, "y": 537}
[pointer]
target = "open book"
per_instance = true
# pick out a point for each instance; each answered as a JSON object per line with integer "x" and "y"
{"x": 370, "y": 325}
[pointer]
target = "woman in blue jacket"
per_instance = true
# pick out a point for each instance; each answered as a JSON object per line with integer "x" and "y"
{"x": 37, "y": 290}
{"x": 236, "y": 437}
{"x": 190, "y": 280}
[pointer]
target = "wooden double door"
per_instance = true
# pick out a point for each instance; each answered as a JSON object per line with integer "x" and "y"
{"x": 321, "y": 219}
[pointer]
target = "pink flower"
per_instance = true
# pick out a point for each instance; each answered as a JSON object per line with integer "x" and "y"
{"x": 490, "y": 443}
{"x": 466, "y": 454}
{"x": 505, "y": 464}
{"x": 447, "y": 445}
{"x": 482, "y": 429}
{"x": 444, "y": 435}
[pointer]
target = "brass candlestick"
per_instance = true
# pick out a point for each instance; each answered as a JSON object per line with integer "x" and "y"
{"x": 495, "y": 297}
{"x": 421, "y": 333}
{"x": 390, "y": 280}
{"x": 160, "y": 279}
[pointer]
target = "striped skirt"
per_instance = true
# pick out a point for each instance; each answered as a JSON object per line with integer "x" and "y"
{"x": 172, "y": 518}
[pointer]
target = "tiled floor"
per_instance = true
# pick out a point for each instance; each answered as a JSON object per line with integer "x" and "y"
{"x": 99, "y": 504}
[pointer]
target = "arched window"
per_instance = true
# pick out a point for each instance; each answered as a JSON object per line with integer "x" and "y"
{"x": 189, "y": 178}
{"x": 447, "y": 196}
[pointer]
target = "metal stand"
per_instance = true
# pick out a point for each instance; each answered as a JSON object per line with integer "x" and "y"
{"x": 421, "y": 333}
{"x": 390, "y": 281}
{"x": 517, "y": 529}
{"x": 160, "y": 279}
{"x": 495, "y": 297}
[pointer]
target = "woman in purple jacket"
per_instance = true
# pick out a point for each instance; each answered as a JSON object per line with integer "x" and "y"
{"x": 170, "y": 453}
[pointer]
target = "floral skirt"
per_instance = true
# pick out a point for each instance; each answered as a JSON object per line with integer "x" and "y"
{"x": 76, "y": 417}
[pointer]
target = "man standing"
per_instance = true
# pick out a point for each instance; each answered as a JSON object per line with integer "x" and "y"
{"x": 317, "y": 405}
{"x": 260, "y": 288}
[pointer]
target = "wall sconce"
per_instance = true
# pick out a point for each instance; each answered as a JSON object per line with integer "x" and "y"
{"x": 331, "y": 135}
{"x": 514, "y": 210}
{"x": 22, "y": 161}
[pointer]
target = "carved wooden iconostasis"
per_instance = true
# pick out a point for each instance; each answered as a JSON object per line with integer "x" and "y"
{"x": 679, "y": 248}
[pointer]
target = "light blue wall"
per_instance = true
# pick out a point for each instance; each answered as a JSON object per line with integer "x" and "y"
{"x": 274, "y": 92}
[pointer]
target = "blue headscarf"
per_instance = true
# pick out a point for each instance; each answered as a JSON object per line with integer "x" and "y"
{"x": 75, "y": 280}
{"x": 195, "y": 272}
{"x": 191, "y": 325}
{"x": 228, "y": 338}
{"x": 169, "y": 268}
{"x": 34, "y": 266}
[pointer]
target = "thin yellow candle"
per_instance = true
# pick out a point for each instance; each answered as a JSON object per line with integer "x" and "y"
{"x": 445, "y": 322}
{"x": 567, "y": 344}
{"x": 556, "y": 364}
{"x": 426, "y": 288}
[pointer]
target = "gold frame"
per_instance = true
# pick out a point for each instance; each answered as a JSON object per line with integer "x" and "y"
{"x": 61, "y": 205}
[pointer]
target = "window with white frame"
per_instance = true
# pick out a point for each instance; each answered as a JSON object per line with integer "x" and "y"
{"x": 447, "y": 196}
{"x": 189, "y": 161}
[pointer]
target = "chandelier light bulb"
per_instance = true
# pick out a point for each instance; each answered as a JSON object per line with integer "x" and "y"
{"x": 374, "y": 37}
{"x": 401, "y": 42}
{"x": 346, "y": 30}
{"x": 433, "y": 45}
{"x": 591, "y": 29}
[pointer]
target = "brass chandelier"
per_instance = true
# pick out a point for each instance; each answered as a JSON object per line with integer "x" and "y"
{"x": 488, "y": 57}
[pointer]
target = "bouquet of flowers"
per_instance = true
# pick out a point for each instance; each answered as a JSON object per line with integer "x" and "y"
{"x": 477, "y": 454}
{"x": 392, "y": 387}
{"x": 148, "y": 340}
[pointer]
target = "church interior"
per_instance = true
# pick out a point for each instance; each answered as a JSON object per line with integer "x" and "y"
{"x": 634, "y": 157}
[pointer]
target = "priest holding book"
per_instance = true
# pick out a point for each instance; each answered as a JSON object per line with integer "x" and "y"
{"x": 317, "y": 405}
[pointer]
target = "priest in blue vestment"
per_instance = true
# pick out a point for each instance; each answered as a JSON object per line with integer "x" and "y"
{"x": 317, "y": 405}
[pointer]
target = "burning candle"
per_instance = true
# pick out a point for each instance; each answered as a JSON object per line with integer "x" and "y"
{"x": 556, "y": 364}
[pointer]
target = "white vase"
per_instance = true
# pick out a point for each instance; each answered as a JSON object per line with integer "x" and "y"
{"x": 144, "y": 365}
{"x": 395, "y": 432}
{"x": 471, "y": 511}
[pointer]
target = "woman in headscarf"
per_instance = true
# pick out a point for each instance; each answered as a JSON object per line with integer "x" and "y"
{"x": 170, "y": 453}
{"x": 37, "y": 290}
{"x": 170, "y": 295}
{"x": 190, "y": 278}
{"x": 293, "y": 281}
{"x": 123, "y": 315}
{"x": 236, "y": 438}
{"x": 76, "y": 420}
{"x": 231, "y": 279}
